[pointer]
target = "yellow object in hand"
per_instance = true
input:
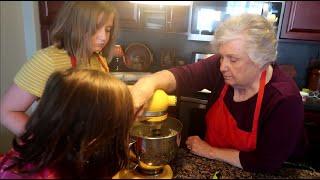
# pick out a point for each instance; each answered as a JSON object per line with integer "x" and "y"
{"x": 160, "y": 101}
{"x": 306, "y": 90}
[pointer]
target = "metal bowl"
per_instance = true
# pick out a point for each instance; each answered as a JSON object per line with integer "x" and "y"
{"x": 156, "y": 143}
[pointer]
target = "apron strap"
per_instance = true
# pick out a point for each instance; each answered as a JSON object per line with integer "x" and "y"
{"x": 224, "y": 91}
{"x": 73, "y": 61}
{"x": 106, "y": 69}
{"x": 259, "y": 101}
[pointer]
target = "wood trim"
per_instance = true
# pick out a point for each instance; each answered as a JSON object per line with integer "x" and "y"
{"x": 288, "y": 31}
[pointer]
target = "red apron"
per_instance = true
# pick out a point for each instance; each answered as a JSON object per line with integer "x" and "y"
{"x": 74, "y": 62}
{"x": 222, "y": 130}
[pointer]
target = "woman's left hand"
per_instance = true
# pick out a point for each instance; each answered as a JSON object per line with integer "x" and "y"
{"x": 199, "y": 147}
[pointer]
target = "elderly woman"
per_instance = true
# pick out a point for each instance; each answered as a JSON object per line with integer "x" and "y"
{"x": 255, "y": 114}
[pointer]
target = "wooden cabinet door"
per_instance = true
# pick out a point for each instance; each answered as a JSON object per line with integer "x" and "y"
{"x": 301, "y": 20}
{"x": 177, "y": 19}
{"x": 48, "y": 10}
{"x": 153, "y": 17}
{"x": 129, "y": 14}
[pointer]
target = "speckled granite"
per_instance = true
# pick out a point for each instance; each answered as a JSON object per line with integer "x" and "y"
{"x": 189, "y": 166}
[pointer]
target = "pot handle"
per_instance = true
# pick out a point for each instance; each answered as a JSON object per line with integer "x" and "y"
{"x": 132, "y": 155}
{"x": 131, "y": 143}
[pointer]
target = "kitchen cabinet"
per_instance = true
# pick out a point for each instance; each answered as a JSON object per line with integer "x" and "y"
{"x": 129, "y": 17}
{"x": 129, "y": 14}
{"x": 47, "y": 12}
{"x": 164, "y": 18}
{"x": 134, "y": 16}
{"x": 192, "y": 112}
{"x": 301, "y": 21}
{"x": 312, "y": 127}
{"x": 153, "y": 17}
{"x": 177, "y": 19}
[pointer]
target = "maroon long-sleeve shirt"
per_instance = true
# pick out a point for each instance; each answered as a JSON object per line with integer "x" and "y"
{"x": 281, "y": 134}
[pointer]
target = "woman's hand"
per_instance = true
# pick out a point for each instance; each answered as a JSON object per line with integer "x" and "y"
{"x": 199, "y": 147}
{"x": 141, "y": 92}
{"x": 144, "y": 88}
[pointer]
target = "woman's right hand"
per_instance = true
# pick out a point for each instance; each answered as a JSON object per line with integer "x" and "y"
{"x": 141, "y": 92}
{"x": 143, "y": 89}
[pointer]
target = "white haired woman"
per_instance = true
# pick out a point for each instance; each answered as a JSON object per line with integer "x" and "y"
{"x": 254, "y": 116}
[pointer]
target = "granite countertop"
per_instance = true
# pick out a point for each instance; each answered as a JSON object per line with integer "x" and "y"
{"x": 187, "y": 165}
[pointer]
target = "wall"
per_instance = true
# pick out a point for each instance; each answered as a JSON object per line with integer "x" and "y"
{"x": 20, "y": 38}
{"x": 297, "y": 53}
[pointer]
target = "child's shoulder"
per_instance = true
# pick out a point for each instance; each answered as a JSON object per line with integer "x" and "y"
{"x": 52, "y": 51}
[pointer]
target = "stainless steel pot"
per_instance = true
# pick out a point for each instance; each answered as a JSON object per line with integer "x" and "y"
{"x": 156, "y": 143}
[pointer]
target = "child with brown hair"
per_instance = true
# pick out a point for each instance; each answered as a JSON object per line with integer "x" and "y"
{"x": 79, "y": 129}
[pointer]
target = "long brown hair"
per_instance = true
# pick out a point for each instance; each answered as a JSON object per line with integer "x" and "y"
{"x": 80, "y": 126}
{"x": 77, "y": 22}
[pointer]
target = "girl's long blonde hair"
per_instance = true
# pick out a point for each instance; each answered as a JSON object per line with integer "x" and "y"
{"x": 77, "y": 22}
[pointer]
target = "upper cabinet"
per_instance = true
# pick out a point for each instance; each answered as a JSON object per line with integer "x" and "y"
{"x": 301, "y": 21}
{"x": 177, "y": 19}
{"x": 129, "y": 14}
{"x": 163, "y": 18}
{"x": 47, "y": 13}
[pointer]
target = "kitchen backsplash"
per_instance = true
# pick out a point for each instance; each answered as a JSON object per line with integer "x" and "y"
{"x": 297, "y": 53}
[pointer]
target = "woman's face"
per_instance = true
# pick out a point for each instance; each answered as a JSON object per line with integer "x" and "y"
{"x": 237, "y": 68}
{"x": 101, "y": 38}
